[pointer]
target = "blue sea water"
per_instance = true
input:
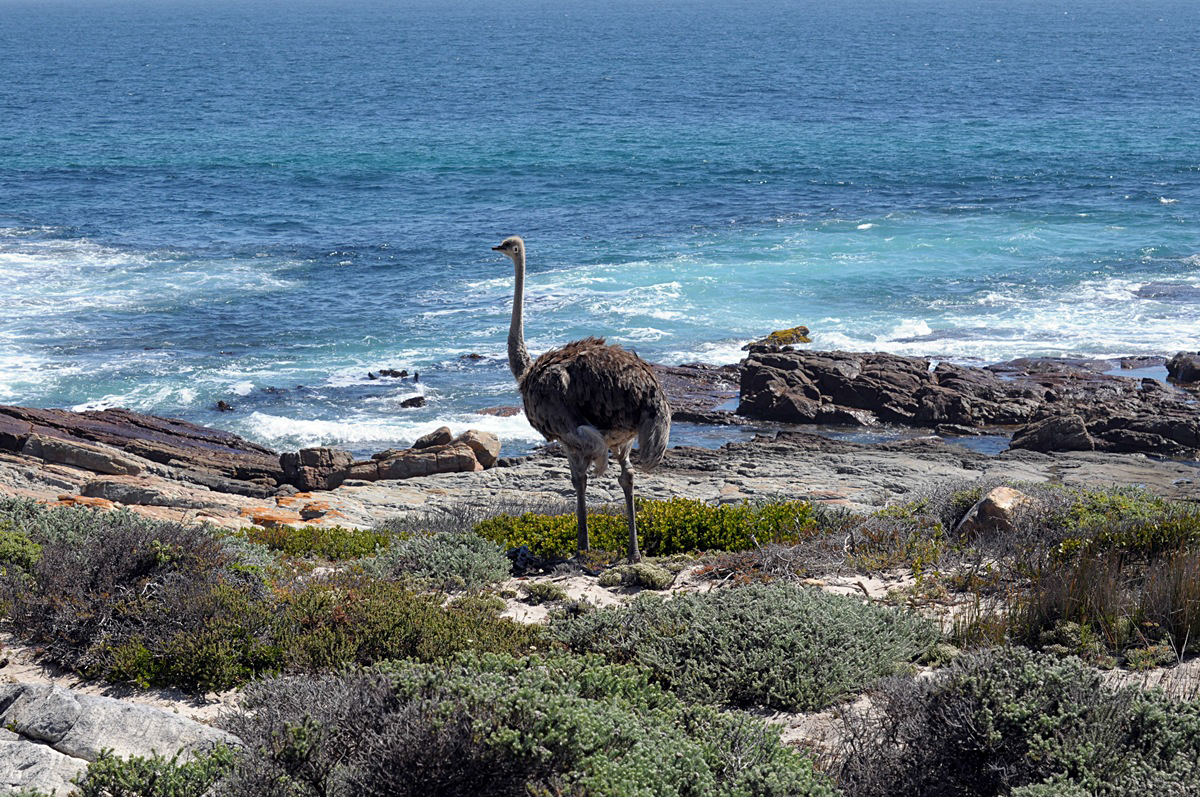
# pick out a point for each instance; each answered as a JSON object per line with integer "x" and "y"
{"x": 261, "y": 202}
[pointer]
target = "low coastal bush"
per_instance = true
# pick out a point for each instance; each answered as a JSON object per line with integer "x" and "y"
{"x": 333, "y": 543}
{"x": 639, "y": 574}
{"x": 678, "y": 525}
{"x": 1010, "y": 721}
{"x": 117, "y": 596}
{"x": 498, "y": 726}
{"x": 539, "y": 592}
{"x": 449, "y": 561}
{"x": 156, "y": 776}
{"x": 775, "y": 645}
{"x": 327, "y": 624}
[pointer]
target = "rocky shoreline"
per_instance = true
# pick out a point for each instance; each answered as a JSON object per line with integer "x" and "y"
{"x": 1066, "y": 418}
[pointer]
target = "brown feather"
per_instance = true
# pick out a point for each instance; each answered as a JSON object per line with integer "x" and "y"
{"x": 589, "y": 382}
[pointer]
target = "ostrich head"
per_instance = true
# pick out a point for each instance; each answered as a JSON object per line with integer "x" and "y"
{"x": 511, "y": 246}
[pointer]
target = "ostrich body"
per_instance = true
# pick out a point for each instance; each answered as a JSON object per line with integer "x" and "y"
{"x": 592, "y": 397}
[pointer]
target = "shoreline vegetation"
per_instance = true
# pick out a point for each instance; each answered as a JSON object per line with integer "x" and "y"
{"x": 814, "y": 616}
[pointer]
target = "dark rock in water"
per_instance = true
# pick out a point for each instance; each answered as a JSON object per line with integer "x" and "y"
{"x": 708, "y": 418}
{"x": 415, "y": 401}
{"x": 699, "y": 393}
{"x": 1140, "y": 361}
{"x": 224, "y": 406}
{"x": 779, "y": 340}
{"x": 861, "y": 389}
{"x": 473, "y": 356}
{"x": 372, "y": 375}
{"x": 1168, "y": 292}
{"x": 438, "y": 437}
{"x": 1184, "y": 367}
{"x": 315, "y": 468}
{"x": 1061, "y": 404}
{"x": 416, "y": 377}
{"x": 500, "y": 412}
{"x": 195, "y": 453}
{"x": 393, "y": 373}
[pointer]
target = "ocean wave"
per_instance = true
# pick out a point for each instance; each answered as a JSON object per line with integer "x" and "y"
{"x": 279, "y": 431}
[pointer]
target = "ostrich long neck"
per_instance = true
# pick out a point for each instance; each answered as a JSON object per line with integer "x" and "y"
{"x": 518, "y": 357}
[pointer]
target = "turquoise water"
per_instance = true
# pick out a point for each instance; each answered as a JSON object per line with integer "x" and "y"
{"x": 260, "y": 203}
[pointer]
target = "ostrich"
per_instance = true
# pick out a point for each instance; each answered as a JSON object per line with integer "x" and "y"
{"x": 593, "y": 398}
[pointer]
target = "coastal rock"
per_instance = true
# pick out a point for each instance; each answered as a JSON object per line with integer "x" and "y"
{"x": 778, "y": 339}
{"x": 699, "y": 393}
{"x": 315, "y": 468}
{"x": 438, "y": 437}
{"x": 994, "y": 512}
{"x": 1184, "y": 367}
{"x": 415, "y": 401}
{"x": 32, "y": 767}
{"x": 87, "y": 456}
{"x": 454, "y": 457}
{"x": 485, "y": 445}
{"x": 78, "y": 727}
{"x": 1055, "y": 433}
{"x": 187, "y": 450}
{"x": 151, "y": 491}
{"x": 844, "y": 387}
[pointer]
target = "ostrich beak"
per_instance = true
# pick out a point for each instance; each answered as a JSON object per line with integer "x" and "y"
{"x": 497, "y": 248}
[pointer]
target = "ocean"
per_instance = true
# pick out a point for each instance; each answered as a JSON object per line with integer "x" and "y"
{"x": 262, "y": 202}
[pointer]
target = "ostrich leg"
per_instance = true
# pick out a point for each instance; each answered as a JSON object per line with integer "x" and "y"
{"x": 626, "y": 482}
{"x": 579, "y": 481}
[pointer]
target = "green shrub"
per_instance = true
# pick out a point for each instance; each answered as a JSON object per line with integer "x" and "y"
{"x": 124, "y": 598}
{"x": 539, "y": 592}
{"x": 325, "y": 542}
{"x": 1010, "y": 719}
{"x": 638, "y": 574}
{"x": 775, "y": 645}
{"x": 106, "y": 579}
{"x": 327, "y": 624}
{"x": 668, "y": 527}
{"x": 17, "y": 550}
{"x": 447, "y": 561}
{"x": 496, "y": 725}
{"x": 156, "y": 776}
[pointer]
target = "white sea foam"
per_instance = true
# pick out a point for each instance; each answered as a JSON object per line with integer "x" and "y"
{"x": 282, "y": 432}
{"x": 1165, "y": 201}
{"x": 244, "y": 388}
{"x": 866, "y": 226}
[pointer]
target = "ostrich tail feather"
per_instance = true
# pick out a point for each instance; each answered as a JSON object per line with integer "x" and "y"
{"x": 653, "y": 433}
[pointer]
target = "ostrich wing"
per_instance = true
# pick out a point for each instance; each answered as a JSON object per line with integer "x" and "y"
{"x": 589, "y": 382}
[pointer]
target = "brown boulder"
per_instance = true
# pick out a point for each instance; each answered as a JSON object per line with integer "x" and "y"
{"x": 485, "y": 445}
{"x": 453, "y": 458}
{"x": 994, "y": 512}
{"x": 438, "y": 437}
{"x": 315, "y": 468}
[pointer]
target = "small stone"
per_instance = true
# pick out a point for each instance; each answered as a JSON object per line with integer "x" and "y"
{"x": 415, "y": 401}
{"x": 224, "y": 406}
